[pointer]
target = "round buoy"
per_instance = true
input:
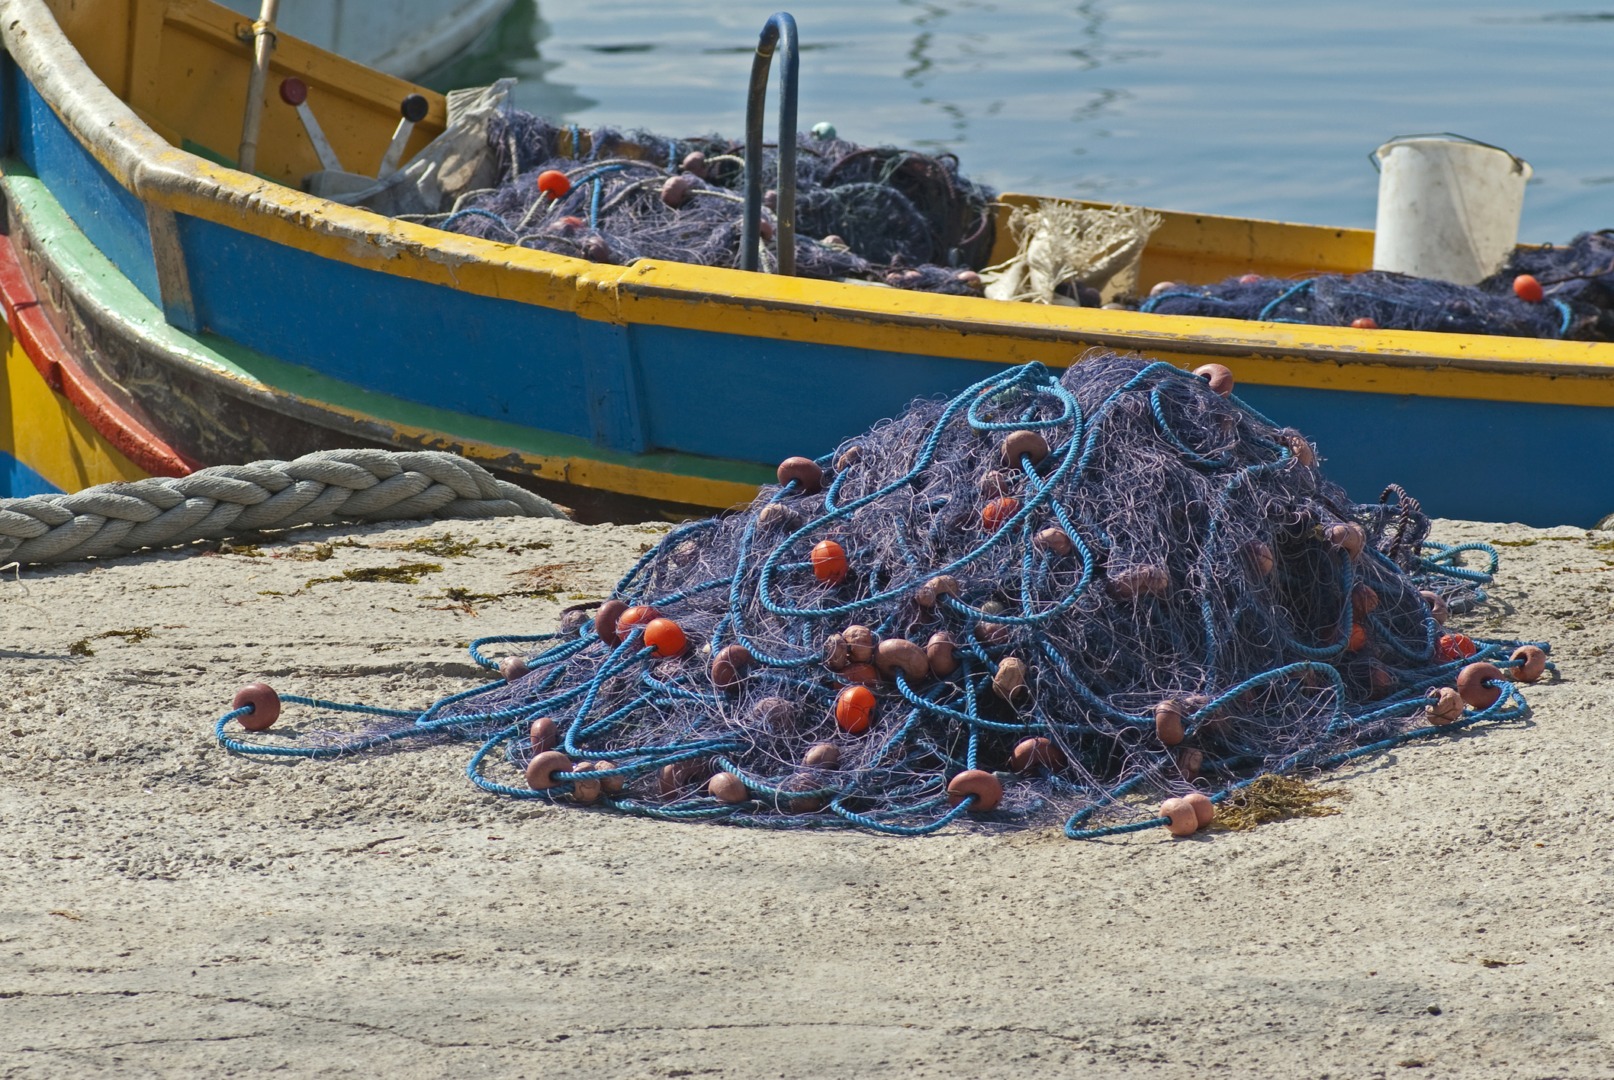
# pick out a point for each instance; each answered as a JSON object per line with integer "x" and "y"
{"x": 987, "y": 789}
{"x": 1530, "y": 663}
{"x": 543, "y": 734}
{"x": 894, "y": 655}
{"x": 1009, "y": 682}
{"x": 1218, "y": 376}
{"x": 639, "y": 615}
{"x": 1259, "y": 554}
{"x": 1528, "y": 289}
{"x": 554, "y": 183}
{"x": 1168, "y": 722}
{"x": 1181, "y": 819}
{"x": 725, "y": 787}
{"x": 822, "y": 755}
{"x": 541, "y": 770}
{"x": 1445, "y": 705}
{"x": 862, "y": 674}
{"x": 829, "y": 562}
{"x": 778, "y": 516}
{"x": 665, "y": 637}
{"x": 854, "y": 709}
{"x": 1023, "y": 444}
{"x": 1454, "y": 647}
{"x": 1054, "y": 540}
{"x": 995, "y": 513}
{"x": 611, "y": 785}
{"x": 941, "y": 652}
{"x": 1347, "y": 536}
{"x": 1474, "y": 683}
{"x": 931, "y": 592}
{"x": 1033, "y": 753}
{"x": 1204, "y": 809}
{"x": 606, "y": 620}
{"x": 676, "y": 189}
{"x": 860, "y": 643}
{"x": 806, "y": 473}
{"x": 265, "y": 706}
{"x": 585, "y": 791}
{"x": 730, "y": 665}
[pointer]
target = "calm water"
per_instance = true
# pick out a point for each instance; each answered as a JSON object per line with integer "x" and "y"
{"x": 1258, "y": 108}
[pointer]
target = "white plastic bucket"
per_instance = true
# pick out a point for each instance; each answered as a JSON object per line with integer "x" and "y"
{"x": 1448, "y": 207}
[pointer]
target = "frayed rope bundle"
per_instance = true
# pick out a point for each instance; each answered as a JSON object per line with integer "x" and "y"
{"x": 1046, "y": 598}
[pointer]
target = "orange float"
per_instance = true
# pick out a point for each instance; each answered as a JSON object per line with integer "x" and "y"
{"x": 829, "y": 562}
{"x": 854, "y": 709}
{"x": 554, "y": 183}
{"x": 998, "y": 511}
{"x": 1453, "y": 647}
{"x": 666, "y": 637}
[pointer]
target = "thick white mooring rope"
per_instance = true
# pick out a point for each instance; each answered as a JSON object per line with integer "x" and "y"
{"x": 322, "y": 488}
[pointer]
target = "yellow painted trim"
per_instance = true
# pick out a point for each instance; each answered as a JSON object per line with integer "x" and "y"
{"x": 41, "y": 429}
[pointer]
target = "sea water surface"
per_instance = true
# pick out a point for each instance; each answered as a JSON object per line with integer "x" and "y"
{"x": 1257, "y": 108}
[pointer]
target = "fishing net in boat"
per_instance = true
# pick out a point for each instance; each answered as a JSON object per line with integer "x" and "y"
{"x": 1568, "y": 294}
{"x": 1049, "y": 598}
{"x": 880, "y": 214}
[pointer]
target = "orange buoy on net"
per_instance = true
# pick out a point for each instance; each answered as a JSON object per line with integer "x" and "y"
{"x": 1454, "y": 647}
{"x": 643, "y": 614}
{"x": 829, "y": 562}
{"x": 998, "y": 511}
{"x": 666, "y": 637}
{"x": 854, "y": 709}
{"x": 554, "y": 183}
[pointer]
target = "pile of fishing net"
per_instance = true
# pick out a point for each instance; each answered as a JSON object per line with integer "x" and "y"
{"x": 1049, "y": 598}
{"x": 872, "y": 213}
{"x": 1549, "y": 291}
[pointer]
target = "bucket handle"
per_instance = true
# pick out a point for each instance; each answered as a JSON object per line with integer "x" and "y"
{"x": 1373, "y": 155}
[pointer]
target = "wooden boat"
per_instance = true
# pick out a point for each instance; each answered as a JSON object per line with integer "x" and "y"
{"x": 168, "y": 311}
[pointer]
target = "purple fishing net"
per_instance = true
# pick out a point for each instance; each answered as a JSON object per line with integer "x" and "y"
{"x": 1577, "y": 301}
{"x": 872, "y": 213}
{"x": 1049, "y": 598}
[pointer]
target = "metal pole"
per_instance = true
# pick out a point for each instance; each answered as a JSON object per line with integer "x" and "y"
{"x": 263, "y": 44}
{"x": 780, "y": 30}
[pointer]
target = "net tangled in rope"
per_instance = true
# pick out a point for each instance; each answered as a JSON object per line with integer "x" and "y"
{"x": 872, "y": 213}
{"x": 1047, "y": 598}
{"x": 1571, "y": 297}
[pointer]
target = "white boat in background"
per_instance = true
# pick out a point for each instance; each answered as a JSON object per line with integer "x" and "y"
{"x": 406, "y": 38}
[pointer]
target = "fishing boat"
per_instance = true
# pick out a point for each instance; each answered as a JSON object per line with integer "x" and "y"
{"x": 167, "y": 311}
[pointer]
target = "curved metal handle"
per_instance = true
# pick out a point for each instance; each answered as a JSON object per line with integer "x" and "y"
{"x": 781, "y": 31}
{"x": 1373, "y": 155}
